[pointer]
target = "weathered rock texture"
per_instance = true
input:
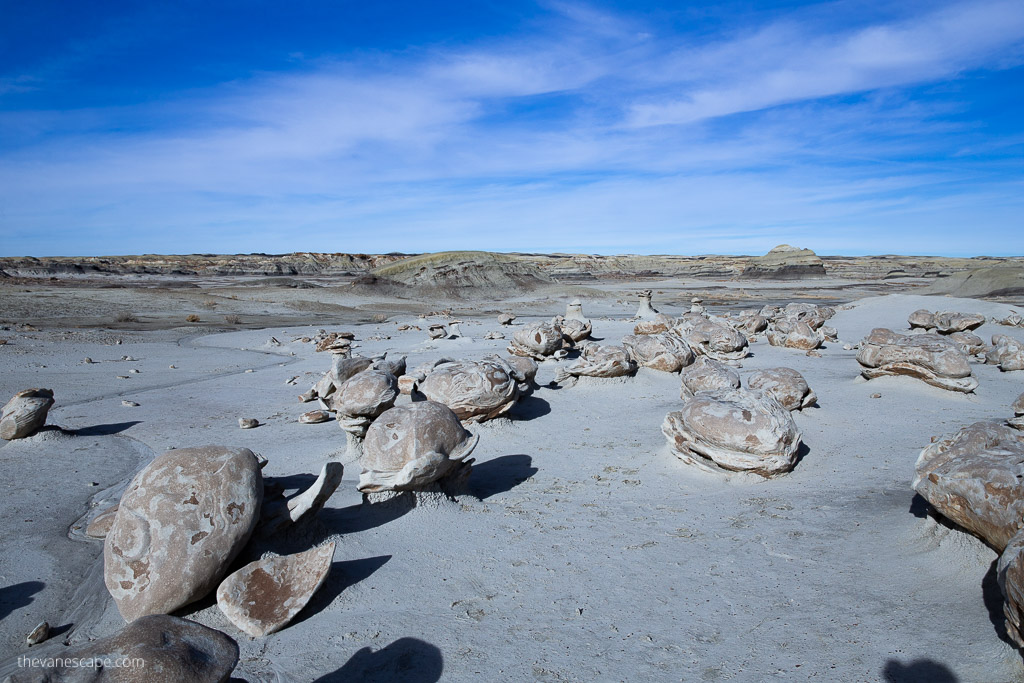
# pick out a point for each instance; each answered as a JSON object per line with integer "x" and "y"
{"x": 171, "y": 649}
{"x": 798, "y": 335}
{"x": 660, "y": 323}
{"x": 734, "y": 430}
{"x": 180, "y": 523}
{"x": 974, "y": 478}
{"x": 664, "y": 352}
{"x": 361, "y": 398}
{"x": 719, "y": 341}
{"x": 538, "y": 341}
{"x": 948, "y": 322}
{"x": 24, "y": 414}
{"x": 928, "y": 357}
{"x": 474, "y": 390}
{"x": 785, "y": 263}
{"x": 412, "y": 446}
{"x": 1010, "y": 575}
{"x": 786, "y": 384}
{"x": 922, "y": 319}
{"x": 1006, "y": 352}
{"x": 264, "y": 596}
{"x": 598, "y": 360}
{"x": 707, "y": 374}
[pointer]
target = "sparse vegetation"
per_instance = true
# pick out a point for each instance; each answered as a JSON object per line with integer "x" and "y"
{"x": 192, "y": 318}
{"x": 379, "y": 317}
{"x": 232, "y": 319}
{"x": 127, "y": 317}
{"x": 209, "y": 303}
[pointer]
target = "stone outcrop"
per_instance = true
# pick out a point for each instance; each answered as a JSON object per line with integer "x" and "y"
{"x": 264, "y": 596}
{"x": 734, "y": 430}
{"x": 785, "y": 263}
{"x": 181, "y": 521}
{"x": 717, "y": 340}
{"x": 928, "y": 357}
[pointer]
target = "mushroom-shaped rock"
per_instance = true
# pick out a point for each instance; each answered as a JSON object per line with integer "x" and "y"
{"x": 342, "y": 368}
{"x": 719, "y": 341}
{"x": 1010, "y": 576}
{"x": 538, "y": 341}
{"x": 437, "y": 331}
{"x": 412, "y": 446}
{"x": 25, "y": 413}
{"x": 664, "y": 352}
{"x": 180, "y": 522}
{"x": 1006, "y": 352}
{"x": 734, "y": 430}
{"x": 524, "y": 371}
{"x": 574, "y": 311}
{"x": 948, "y": 322}
{"x": 922, "y": 319}
{"x": 395, "y": 366}
{"x": 786, "y": 384}
{"x": 974, "y": 478}
{"x": 799, "y": 335}
{"x": 658, "y": 324}
{"x": 170, "y": 649}
{"x": 707, "y": 374}
{"x": 474, "y": 390}
{"x": 598, "y": 360}
{"x": 264, "y": 596}
{"x": 928, "y": 357}
{"x": 362, "y": 398}
{"x": 646, "y": 310}
{"x": 506, "y": 318}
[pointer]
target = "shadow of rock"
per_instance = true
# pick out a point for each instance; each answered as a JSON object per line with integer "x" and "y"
{"x": 18, "y": 595}
{"x": 360, "y": 517}
{"x": 529, "y": 408}
{"x": 917, "y": 671}
{"x": 343, "y": 575}
{"x": 993, "y": 597}
{"x": 406, "y": 659}
{"x": 500, "y": 474}
{"x": 801, "y": 453}
{"x": 919, "y": 506}
{"x": 103, "y": 430}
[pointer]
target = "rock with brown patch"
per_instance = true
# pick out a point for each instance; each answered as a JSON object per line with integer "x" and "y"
{"x": 664, "y": 352}
{"x": 598, "y": 360}
{"x": 474, "y": 390}
{"x": 786, "y": 384}
{"x": 974, "y": 478}
{"x": 1006, "y": 352}
{"x": 538, "y": 341}
{"x": 24, "y": 414}
{"x": 179, "y": 524}
{"x": 264, "y": 596}
{"x": 734, "y": 430}
{"x": 717, "y": 340}
{"x": 707, "y": 374}
{"x": 927, "y": 357}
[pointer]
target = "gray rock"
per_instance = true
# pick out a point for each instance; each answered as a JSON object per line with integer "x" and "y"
{"x": 664, "y": 352}
{"x": 928, "y": 357}
{"x": 706, "y": 374}
{"x": 1006, "y": 352}
{"x": 180, "y": 522}
{"x": 538, "y": 341}
{"x": 474, "y": 390}
{"x": 787, "y": 386}
{"x": 25, "y": 413}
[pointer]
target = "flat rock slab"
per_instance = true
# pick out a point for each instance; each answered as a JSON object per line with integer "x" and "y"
{"x": 264, "y": 596}
{"x": 157, "y": 648}
{"x": 180, "y": 523}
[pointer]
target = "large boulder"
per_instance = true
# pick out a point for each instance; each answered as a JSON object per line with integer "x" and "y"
{"x": 786, "y": 384}
{"x": 598, "y": 360}
{"x": 361, "y": 398}
{"x": 974, "y": 478}
{"x": 180, "y": 523}
{"x": 717, "y": 340}
{"x": 660, "y": 323}
{"x": 264, "y": 596}
{"x": 948, "y": 322}
{"x": 928, "y": 357}
{"x": 157, "y": 648}
{"x": 734, "y": 430}
{"x": 1010, "y": 576}
{"x": 922, "y": 319}
{"x": 798, "y": 335}
{"x": 474, "y": 390}
{"x": 1006, "y": 352}
{"x": 664, "y": 352}
{"x": 25, "y": 413}
{"x": 538, "y": 341}
{"x": 412, "y": 446}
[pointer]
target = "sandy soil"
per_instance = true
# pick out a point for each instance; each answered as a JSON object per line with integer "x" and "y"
{"x": 585, "y": 551}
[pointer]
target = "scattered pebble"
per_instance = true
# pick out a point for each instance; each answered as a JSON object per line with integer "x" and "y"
{"x": 122, "y": 376}
{"x": 250, "y": 370}
{"x": 876, "y": 396}
{"x": 130, "y": 404}
{"x": 135, "y": 371}
{"x": 94, "y": 483}
{"x": 248, "y": 422}
{"x": 173, "y": 367}
{"x": 38, "y": 634}
{"x": 88, "y": 361}
{"x": 314, "y": 417}
{"x": 847, "y": 347}
{"x": 128, "y": 358}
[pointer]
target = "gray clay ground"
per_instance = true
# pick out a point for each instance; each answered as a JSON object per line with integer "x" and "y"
{"x": 586, "y": 551}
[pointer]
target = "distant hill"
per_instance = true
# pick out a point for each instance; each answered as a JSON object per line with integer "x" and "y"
{"x": 785, "y": 263}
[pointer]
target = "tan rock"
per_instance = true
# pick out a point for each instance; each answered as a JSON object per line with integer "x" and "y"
{"x": 923, "y": 319}
{"x": 707, "y": 374}
{"x": 538, "y": 341}
{"x": 100, "y": 525}
{"x": 660, "y": 323}
{"x": 474, "y": 390}
{"x": 181, "y": 521}
{"x": 734, "y": 430}
{"x": 928, "y": 357}
{"x": 361, "y": 398}
{"x": 797, "y": 335}
{"x": 1006, "y": 352}
{"x": 787, "y": 386}
{"x": 947, "y": 322}
{"x": 314, "y": 417}
{"x": 412, "y": 446}
{"x": 266, "y": 595}
{"x": 969, "y": 343}
{"x": 974, "y": 478}
{"x": 1010, "y": 576}
{"x": 664, "y": 352}
{"x": 24, "y": 414}
{"x": 717, "y": 340}
{"x": 173, "y": 649}
{"x": 599, "y": 360}
{"x": 1018, "y": 405}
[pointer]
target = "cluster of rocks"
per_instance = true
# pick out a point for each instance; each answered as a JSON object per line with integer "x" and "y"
{"x": 797, "y": 325}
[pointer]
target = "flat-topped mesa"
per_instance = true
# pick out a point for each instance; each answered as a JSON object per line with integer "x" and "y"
{"x": 928, "y": 357}
{"x": 785, "y": 263}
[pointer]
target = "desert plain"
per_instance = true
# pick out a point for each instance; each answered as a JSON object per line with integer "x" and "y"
{"x": 581, "y": 549}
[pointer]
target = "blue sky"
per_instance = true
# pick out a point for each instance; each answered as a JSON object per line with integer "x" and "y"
{"x": 642, "y": 127}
